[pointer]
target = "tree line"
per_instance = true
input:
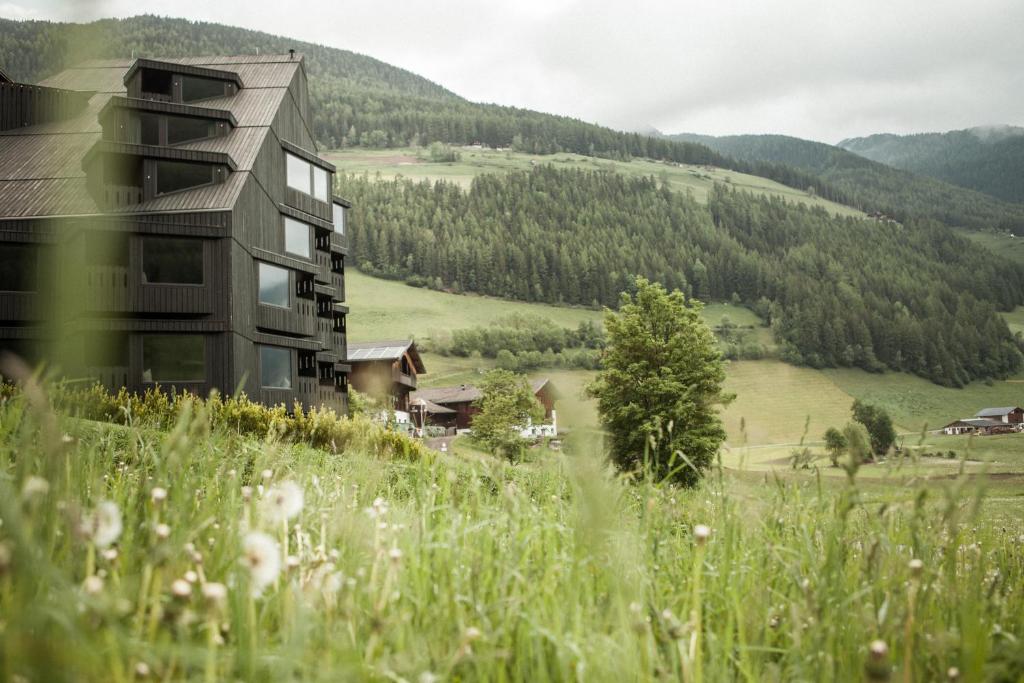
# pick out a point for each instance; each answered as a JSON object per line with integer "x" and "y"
{"x": 837, "y": 291}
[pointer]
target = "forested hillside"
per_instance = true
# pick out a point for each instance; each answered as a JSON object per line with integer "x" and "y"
{"x": 987, "y": 159}
{"x": 838, "y": 291}
{"x": 869, "y": 185}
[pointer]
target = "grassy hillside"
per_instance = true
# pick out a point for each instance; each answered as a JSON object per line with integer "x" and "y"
{"x": 872, "y": 186}
{"x": 989, "y": 159}
{"x": 414, "y": 164}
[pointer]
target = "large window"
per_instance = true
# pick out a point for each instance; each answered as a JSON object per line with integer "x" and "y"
{"x": 19, "y": 267}
{"x": 149, "y": 128}
{"x": 298, "y": 173}
{"x": 274, "y": 286}
{"x": 168, "y": 358}
{"x": 275, "y": 367}
{"x": 156, "y": 82}
{"x": 321, "y": 183}
{"x": 172, "y": 176}
{"x": 296, "y": 237}
{"x": 172, "y": 261}
{"x": 183, "y": 129}
{"x": 194, "y": 88}
{"x": 339, "y": 218}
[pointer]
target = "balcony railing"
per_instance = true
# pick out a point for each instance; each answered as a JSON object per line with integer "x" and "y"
{"x": 403, "y": 378}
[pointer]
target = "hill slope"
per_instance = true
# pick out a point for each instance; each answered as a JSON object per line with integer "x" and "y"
{"x": 987, "y": 159}
{"x": 869, "y": 185}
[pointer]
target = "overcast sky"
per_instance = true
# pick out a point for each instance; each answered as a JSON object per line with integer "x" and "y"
{"x": 811, "y": 68}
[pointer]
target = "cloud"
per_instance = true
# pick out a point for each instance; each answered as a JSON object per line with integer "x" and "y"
{"x": 801, "y": 67}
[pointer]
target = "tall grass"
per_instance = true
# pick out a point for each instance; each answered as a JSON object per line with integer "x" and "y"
{"x": 444, "y": 569}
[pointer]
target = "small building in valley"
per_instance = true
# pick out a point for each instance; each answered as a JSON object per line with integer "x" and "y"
{"x": 460, "y": 402}
{"x": 977, "y": 425}
{"x": 386, "y": 371}
{"x": 1012, "y": 415}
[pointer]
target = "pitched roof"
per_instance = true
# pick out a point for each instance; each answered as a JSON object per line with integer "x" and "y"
{"x": 364, "y": 352}
{"x": 976, "y": 422}
{"x": 432, "y": 408}
{"x": 995, "y": 412}
{"x": 466, "y": 393}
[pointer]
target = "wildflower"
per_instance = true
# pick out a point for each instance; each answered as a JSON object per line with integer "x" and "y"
{"x": 261, "y": 556}
{"x": 67, "y": 438}
{"x": 191, "y": 576}
{"x": 215, "y": 593}
{"x": 877, "y": 666}
{"x": 292, "y": 562}
{"x": 378, "y": 509}
{"x": 110, "y": 554}
{"x": 103, "y": 526}
{"x": 158, "y": 495}
{"x": 701, "y": 533}
{"x": 953, "y": 674}
{"x": 283, "y": 502}
{"x": 93, "y": 585}
{"x": 34, "y": 486}
{"x": 267, "y": 475}
{"x": 247, "y": 493}
{"x": 916, "y": 567}
{"x": 181, "y": 588}
{"x": 473, "y": 633}
{"x": 162, "y": 531}
{"x": 396, "y": 555}
{"x": 142, "y": 670}
{"x": 429, "y": 677}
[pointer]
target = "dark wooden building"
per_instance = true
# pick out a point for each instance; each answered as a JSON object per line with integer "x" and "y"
{"x": 459, "y": 400}
{"x": 1010, "y": 415}
{"x": 386, "y": 371}
{"x": 173, "y": 219}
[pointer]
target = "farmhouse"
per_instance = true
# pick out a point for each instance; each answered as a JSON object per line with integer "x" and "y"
{"x": 458, "y": 402}
{"x": 387, "y": 372}
{"x": 1011, "y": 415}
{"x": 199, "y": 243}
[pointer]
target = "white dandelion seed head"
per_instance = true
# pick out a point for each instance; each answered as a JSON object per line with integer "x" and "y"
{"x": 429, "y": 677}
{"x": 110, "y": 554}
{"x": 142, "y": 670}
{"x": 247, "y": 493}
{"x": 282, "y": 502}
{"x": 162, "y": 531}
{"x": 93, "y": 585}
{"x": 191, "y": 576}
{"x": 878, "y": 649}
{"x": 262, "y": 557}
{"x": 473, "y": 633}
{"x": 701, "y": 532}
{"x": 916, "y": 566}
{"x": 181, "y": 588}
{"x": 267, "y": 475}
{"x": 103, "y": 525}
{"x": 292, "y": 562}
{"x": 158, "y": 494}
{"x": 215, "y": 593}
{"x": 395, "y": 554}
{"x": 33, "y": 487}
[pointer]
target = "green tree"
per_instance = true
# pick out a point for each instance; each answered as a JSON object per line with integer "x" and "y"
{"x": 660, "y": 384}
{"x": 506, "y": 404}
{"x": 879, "y": 426}
{"x": 858, "y": 448}
{"x": 835, "y": 444}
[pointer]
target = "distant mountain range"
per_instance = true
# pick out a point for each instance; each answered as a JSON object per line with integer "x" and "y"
{"x": 989, "y": 159}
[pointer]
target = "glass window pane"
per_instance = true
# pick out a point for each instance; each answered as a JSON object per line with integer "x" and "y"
{"x": 149, "y": 125}
{"x": 181, "y": 129}
{"x": 106, "y": 349}
{"x": 173, "y": 358}
{"x": 156, "y": 82}
{"x": 172, "y": 176}
{"x": 296, "y": 237}
{"x": 320, "y": 183}
{"x": 194, "y": 88}
{"x": 274, "y": 287}
{"x": 275, "y": 367}
{"x": 19, "y": 266}
{"x": 172, "y": 260}
{"x": 339, "y": 219}
{"x": 298, "y": 173}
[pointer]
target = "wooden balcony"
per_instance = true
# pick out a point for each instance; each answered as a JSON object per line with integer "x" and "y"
{"x": 405, "y": 379}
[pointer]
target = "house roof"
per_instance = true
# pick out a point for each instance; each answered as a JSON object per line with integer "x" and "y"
{"x": 368, "y": 352}
{"x": 996, "y": 412}
{"x": 431, "y": 407}
{"x": 975, "y": 422}
{"x": 41, "y": 170}
{"x": 467, "y": 393}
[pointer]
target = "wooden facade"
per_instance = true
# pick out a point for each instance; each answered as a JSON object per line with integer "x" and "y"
{"x": 189, "y": 245}
{"x": 387, "y": 372}
{"x": 461, "y": 401}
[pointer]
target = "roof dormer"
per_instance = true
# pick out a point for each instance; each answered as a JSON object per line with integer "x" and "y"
{"x": 182, "y": 83}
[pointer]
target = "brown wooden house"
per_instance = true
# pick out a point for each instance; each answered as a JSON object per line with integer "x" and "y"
{"x": 460, "y": 399}
{"x": 178, "y": 214}
{"x": 386, "y": 371}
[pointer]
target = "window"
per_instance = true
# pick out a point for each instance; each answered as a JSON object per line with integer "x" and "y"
{"x": 298, "y": 173}
{"x": 339, "y": 219}
{"x": 156, "y": 82}
{"x": 296, "y": 237}
{"x": 170, "y": 358}
{"x": 275, "y": 367}
{"x": 274, "y": 286}
{"x": 106, "y": 349}
{"x": 149, "y": 129}
{"x": 321, "y": 182}
{"x": 172, "y": 261}
{"x": 19, "y": 267}
{"x": 194, "y": 88}
{"x": 181, "y": 129}
{"x": 172, "y": 176}
{"x": 103, "y": 248}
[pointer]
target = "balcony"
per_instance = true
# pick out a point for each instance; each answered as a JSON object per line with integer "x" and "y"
{"x": 403, "y": 378}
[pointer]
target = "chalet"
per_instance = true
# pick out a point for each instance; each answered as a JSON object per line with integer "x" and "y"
{"x": 976, "y": 425}
{"x": 1011, "y": 415}
{"x": 198, "y": 241}
{"x": 387, "y": 372}
{"x": 459, "y": 401}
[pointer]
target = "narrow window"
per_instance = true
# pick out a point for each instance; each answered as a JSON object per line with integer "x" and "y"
{"x": 149, "y": 129}
{"x": 321, "y": 183}
{"x": 19, "y": 267}
{"x": 275, "y": 367}
{"x": 168, "y": 358}
{"x": 274, "y": 286}
{"x": 172, "y": 176}
{"x": 339, "y": 219}
{"x": 182, "y": 129}
{"x": 194, "y": 88}
{"x": 296, "y": 237}
{"x": 172, "y": 260}
{"x": 298, "y": 173}
{"x": 156, "y": 82}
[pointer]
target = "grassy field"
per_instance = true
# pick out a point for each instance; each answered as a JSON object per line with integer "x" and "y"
{"x": 697, "y": 180}
{"x": 198, "y": 554}
{"x": 999, "y": 242}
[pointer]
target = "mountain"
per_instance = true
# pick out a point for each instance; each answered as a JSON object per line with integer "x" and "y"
{"x": 870, "y": 185}
{"x": 989, "y": 159}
